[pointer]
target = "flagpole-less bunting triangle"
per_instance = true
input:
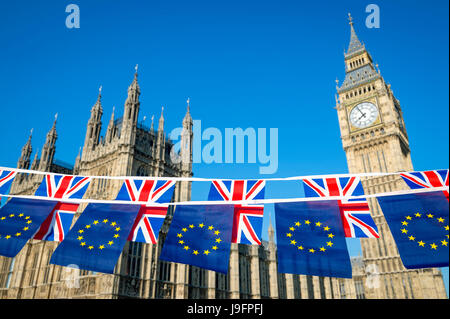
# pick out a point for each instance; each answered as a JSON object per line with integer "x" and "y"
{"x": 310, "y": 239}
{"x": 150, "y": 217}
{"x": 96, "y": 240}
{"x": 427, "y": 179}
{"x": 419, "y": 224}
{"x": 248, "y": 219}
{"x": 6, "y": 178}
{"x": 200, "y": 235}
{"x": 19, "y": 220}
{"x": 67, "y": 187}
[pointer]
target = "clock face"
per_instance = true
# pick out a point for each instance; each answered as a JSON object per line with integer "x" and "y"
{"x": 363, "y": 114}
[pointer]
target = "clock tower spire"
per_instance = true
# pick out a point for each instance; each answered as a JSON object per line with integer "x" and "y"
{"x": 374, "y": 139}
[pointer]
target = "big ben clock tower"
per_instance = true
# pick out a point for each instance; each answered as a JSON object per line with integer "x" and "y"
{"x": 374, "y": 138}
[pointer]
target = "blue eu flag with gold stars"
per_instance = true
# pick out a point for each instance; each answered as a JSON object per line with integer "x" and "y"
{"x": 200, "y": 235}
{"x": 20, "y": 218}
{"x": 311, "y": 239}
{"x": 419, "y": 225}
{"x": 96, "y": 240}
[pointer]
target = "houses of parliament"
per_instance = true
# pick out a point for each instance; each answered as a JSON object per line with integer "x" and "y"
{"x": 378, "y": 143}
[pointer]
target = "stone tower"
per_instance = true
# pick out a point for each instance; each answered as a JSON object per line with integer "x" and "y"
{"x": 374, "y": 139}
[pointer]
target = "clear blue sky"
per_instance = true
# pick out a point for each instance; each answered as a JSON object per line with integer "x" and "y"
{"x": 257, "y": 64}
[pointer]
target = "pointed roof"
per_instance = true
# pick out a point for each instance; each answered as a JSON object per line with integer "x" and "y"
{"x": 135, "y": 85}
{"x": 161, "y": 120}
{"x": 355, "y": 45}
{"x": 98, "y": 103}
{"x": 187, "y": 117}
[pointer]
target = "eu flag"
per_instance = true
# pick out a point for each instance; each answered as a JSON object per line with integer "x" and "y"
{"x": 97, "y": 238}
{"x": 310, "y": 239}
{"x": 20, "y": 218}
{"x": 419, "y": 225}
{"x": 200, "y": 235}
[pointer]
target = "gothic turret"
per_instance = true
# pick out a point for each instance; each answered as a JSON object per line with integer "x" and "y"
{"x": 110, "y": 130}
{"x": 186, "y": 143}
{"x": 24, "y": 160}
{"x": 131, "y": 111}
{"x": 94, "y": 125}
{"x": 48, "y": 150}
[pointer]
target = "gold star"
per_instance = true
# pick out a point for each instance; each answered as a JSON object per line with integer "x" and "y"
{"x": 210, "y": 227}
{"x": 191, "y": 226}
{"x": 88, "y": 226}
{"x": 184, "y": 229}
{"x": 105, "y": 221}
{"x": 404, "y": 223}
{"x": 195, "y": 252}
{"x": 291, "y": 228}
{"x": 430, "y": 216}
{"x": 11, "y": 215}
{"x": 83, "y": 243}
{"x": 216, "y": 232}
{"x": 91, "y": 247}
{"x": 186, "y": 247}
{"x": 95, "y": 222}
{"x": 81, "y": 231}
{"x": 29, "y": 222}
{"x": 214, "y": 247}
{"x": 179, "y": 235}
{"x": 330, "y": 235}
{"x": 418, "y": 215}
{"x": 322, "y": 249}
{"x": 27, "y": 217}
{"x": 318, "y": 224}
{"x": 80, "y": 237}
{"x": 444, "y": 242}
{"x": 18, "y": 234}
{"x": 3, "y": 217}
{"x": 312, "y": 250}
{"x": 421, "y": 243}
{"x": 101, "y": 247}
{"x": 446, "y": 227}
{"x": 25, "y": 228}
{"x": 113, "y": 224}
{"x": 307, "y": 222}
{"x": 117, "y": 228}
{"x": 218, "y": 240}
{"x": 433, "y": 246}
{"x": 201, "y": 225}
{"x": 116, "y": 236}
{"x": 326, "y": 228}
{"x": 110, "y": 242}
{"x": 329, "y": 243}
{"x": 412, "y": 238}
{"x": 20, "y": 215}
{"x": 408, "y": 217}
{"x": 206, "y": 252}
{"x": 297, "y": 224}
{"x": 181, "y": 242}
{"x": 293, "y": 242}
{"x": 404, "y": 231}
{"x": 7, "y": 236}
{"x": 300, "y": 247}
{"x": 441, "y": 220}
{"x": 289, "y": 235}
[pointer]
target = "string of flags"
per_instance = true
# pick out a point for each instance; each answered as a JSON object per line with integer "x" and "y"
{"x": 310, "y": 231}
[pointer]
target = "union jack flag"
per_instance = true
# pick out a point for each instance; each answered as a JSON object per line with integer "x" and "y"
{"x": 150, "y": 217}
{"x": 427, "y": 179}
{"x": 58, "y": 222}
{"x": 355, "y": 213}
{"x": 6, "y": 178}
{"x": 247, "y": 219}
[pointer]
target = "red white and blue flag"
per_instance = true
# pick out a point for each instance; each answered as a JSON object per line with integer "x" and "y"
{"x": 427, "y": 179}
{"x": 355, "y": 213}
{"x": 58, "y": 222}
{"x": 150, "y": 217}
{"x": 248, "y": 218}
{"x": 6, "y": 178}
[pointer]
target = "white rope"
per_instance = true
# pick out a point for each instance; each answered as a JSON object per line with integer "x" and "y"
{"x": 234, "y": 202}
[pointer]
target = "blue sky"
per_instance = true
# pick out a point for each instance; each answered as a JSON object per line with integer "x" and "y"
{"x": 258, "y": 64}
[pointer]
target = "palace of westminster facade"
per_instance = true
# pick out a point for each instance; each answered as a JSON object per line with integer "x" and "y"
{"x": 379, "y": 144}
